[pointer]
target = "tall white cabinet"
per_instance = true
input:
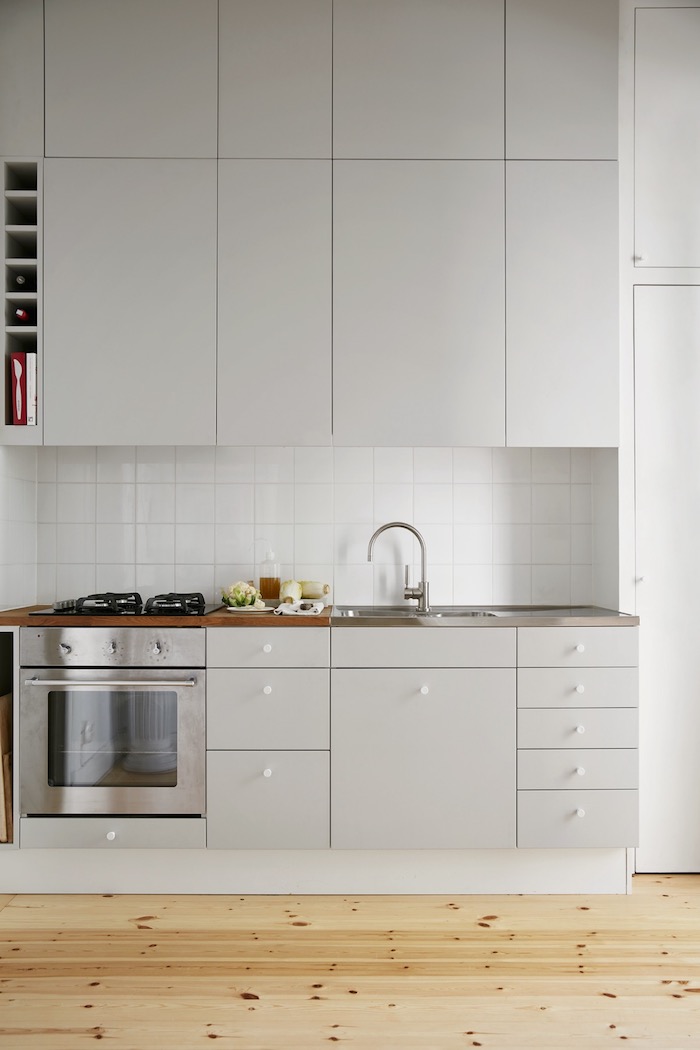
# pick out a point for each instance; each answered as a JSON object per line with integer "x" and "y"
{"x": 130, "y": 302}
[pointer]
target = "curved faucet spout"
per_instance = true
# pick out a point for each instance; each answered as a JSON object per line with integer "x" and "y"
{"x": 421, "y": 591}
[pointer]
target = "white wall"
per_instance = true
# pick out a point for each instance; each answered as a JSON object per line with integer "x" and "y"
{"x": 502, "y": 525}
{"x": 18, "y": 531}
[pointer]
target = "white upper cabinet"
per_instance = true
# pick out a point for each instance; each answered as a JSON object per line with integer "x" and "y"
{"x": 667, "y": 156}
{"x": 275, "y": 78}
{"x": 21, "y": 78}
{"x": 561, "y": 308}
{"x": 137, "y": 78}
{"x": 274, "y": 330}
{"x": 561, "y": 79}
{"x": 129, "y": 302}
{"x": 414, "y": 79}
{"x": 418, "y": 312}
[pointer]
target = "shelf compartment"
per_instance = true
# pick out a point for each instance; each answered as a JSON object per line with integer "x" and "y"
{"x": 21, "y": 208}
{"x": 21, "y": 175}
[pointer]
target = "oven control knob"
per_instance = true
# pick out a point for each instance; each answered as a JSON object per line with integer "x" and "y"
{"x": 112, "y": 647}
{"x": 65, "y": 649}
{"x": 111, "y": 836}
{"x": 157, "y": 649}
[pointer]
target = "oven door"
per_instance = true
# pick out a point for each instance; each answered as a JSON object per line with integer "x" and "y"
{"x": 104, "y": 741}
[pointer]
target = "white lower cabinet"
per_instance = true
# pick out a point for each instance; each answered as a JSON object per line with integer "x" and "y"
{"x": 423, "y": 758}
{"x": 112, "y": 833}
{"x": 268, "y": 799}
{"x": 577, "y": 737}
{"x": 268, "y": 764}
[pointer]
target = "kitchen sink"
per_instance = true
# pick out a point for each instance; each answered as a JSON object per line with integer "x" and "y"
{"x": 408, "y": 612}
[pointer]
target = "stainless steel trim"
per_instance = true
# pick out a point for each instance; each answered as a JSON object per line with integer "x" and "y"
{"x": 111, "y": 684}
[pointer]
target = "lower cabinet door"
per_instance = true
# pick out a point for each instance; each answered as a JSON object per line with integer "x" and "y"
{"x": 587, "y": 819}
{"x": 112, "y": 833}
{"x": 268, "y": 800}
{"x": 423, "y": 758}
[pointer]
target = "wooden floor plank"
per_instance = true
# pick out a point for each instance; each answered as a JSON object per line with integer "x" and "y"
{"x": 375, "y": 972}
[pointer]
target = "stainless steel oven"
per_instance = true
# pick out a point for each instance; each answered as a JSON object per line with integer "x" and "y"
{"x": 111, "y": 721}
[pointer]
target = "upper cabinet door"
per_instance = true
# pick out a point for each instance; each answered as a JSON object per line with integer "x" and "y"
{"x": 561, "y": 79}
{"x": 274, "y": 302}
{"x": 667, "y": 116}
{"x": 418, "y": 341}
{"x": 137, "y": 78}
{"x": 561, "y": 306}
{"x": 21, "y": 78}
{"x": 130, "y": 302}
{"x": 413, "y": 79}
{"x": 275, "y": 78}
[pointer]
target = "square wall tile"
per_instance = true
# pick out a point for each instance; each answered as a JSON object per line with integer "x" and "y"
{"x": 76, "y": 464}
{"x": 511, "y": 465}
{"x": 512, "y": 544}
{"x": 116, "y": 463}
{"x": 274, "y": 464}
{"x": 512, "y": 584}
{"x": 194, "y": 504}
{"x": 581, "y": 460}
{"x": 46, "y": 501}
{"x": 438, "y": 540}
{"x": 512, "y": 504}
{"x": 194, "y": 544}
{"x": 473, "y": 504}
{"x": 234, "y": 543}
{"x": 235, "y": 504}
{"x": 432, "y": 465}
{"x": 274, "y": 503}
{"x": 473, "y": 585}
{"x": 199, "y": 578}
{"x": 47, "y": 464}
{"x": 75, "y": 502}
{"x": 234, "y": 464}
{"x": 116, "y": 578}
{"x": 581, "y": 504}
{"x": 352, "y": 466}
{"x": 155, "y": 463}
{"x": 353, "y": 584}
{"x": 313, "y": 503}
{"x": 472, "y": 465}
{"x": 433, "y": 503}
{"x": 354, "y": 503}
{"x": 551, "y": 584}
{"x": 155, "y": 503}
{"x": 155, "y": 544}
{"x": 551, "y": 465}
{"x": 393, "y": 465}
{"x": 473, "y": 544}
{"x": 152, "y": 579}
{"x": 116, "y": 503}
{"x": 195, "y": 463}
{"x": 313, "y": 465}
{"x": 75, "y": 544}
{"x": 271, "y": 536}
{"x": 551, "y": 544}
{"x": 393, "y": 502}
{"x": 551, "y": 504}
{"x": 75, "y": 580}
{"x": 313, "y": 544}
{"x": 116, "y": 544}
{"x": 350, "y": 542}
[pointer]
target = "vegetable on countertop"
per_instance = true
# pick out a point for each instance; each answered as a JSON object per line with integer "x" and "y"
{"x": 313, "y": 589}
{"x": 241, "y": 594}
{"x": 290, "y": 591}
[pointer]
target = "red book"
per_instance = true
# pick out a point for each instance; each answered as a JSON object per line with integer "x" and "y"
{"x": 18, "y": 366}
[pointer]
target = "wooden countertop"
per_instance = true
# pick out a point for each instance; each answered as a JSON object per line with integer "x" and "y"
{"x": 22, "y": 618}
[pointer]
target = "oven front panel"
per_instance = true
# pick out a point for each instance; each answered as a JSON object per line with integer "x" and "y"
{"x": 95, "y": 741}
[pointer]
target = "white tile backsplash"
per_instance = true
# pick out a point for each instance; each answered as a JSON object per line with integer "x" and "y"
{"x": 501, "y": 525}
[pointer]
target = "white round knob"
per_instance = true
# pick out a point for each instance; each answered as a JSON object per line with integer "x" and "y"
{"x": 580, "y": 729}
{"x": 640, "y": 258}
{"x": 641, "y": 579}
{"x": 580, "y": 812}
{"x": 580, "y": 770}
{"x": 267, "y": 690}
{"x": 580, "y": 688}
{"x": 580, "y": 648}
{"x": 111, "y": 836}
{"x": 267, "y": 772}
{"x": 424, "y": 690}
{"x": 267, "y": 648}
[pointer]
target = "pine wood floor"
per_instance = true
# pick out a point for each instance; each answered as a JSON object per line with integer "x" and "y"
{"x": 434, "y": 973}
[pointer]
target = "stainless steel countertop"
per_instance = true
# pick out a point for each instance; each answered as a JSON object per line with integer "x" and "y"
{"x": 490, "y": 616}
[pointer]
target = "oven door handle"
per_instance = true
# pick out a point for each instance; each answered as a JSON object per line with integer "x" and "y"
{"x": 111, "y": 684}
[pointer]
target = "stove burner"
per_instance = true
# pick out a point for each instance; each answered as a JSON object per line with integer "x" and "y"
{"x": 110, "y": 603}
{"x": 175, "y": 604}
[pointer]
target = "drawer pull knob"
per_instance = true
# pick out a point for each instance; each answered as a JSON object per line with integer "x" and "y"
{"x": 580, "y": 770}
{"x": 580, "y": 648}
{"x": 267, "y": 648}
{"x": 580, "y": 729}
{"x": 580, "y": 812}
{"x": 267, "y": 772}
{"x": 424, "y": 690}
{"x": 267, "y": 690}
{"x": 580, "y": 688}
{"x": 111, "y": 836}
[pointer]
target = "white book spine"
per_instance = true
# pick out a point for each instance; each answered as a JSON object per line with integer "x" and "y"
{"x": 31, "y": 390}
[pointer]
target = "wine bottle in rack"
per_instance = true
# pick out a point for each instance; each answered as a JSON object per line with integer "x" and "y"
{"x": 22, "y": 315}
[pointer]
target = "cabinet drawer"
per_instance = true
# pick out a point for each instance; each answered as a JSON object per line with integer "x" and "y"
{"x": 571, "y": 687}
{"x": 577, "y": 646}
{"x": 268, "y": 646}
{"x": 279, "y": 708}
{"x": 578, "y": 769}
{"x": 423, "y": 647}
{"x": 564, "y": 819}
{"x": 580, "y": 728}
{"x": 268, "y": 800}
{"x": 128, "y": 832}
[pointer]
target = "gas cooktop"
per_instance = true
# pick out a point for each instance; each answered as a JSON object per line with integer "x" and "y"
{"x": 111, "y": 603}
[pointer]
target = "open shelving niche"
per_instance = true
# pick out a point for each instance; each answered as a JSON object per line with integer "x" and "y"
{"x": 22, "y": 220}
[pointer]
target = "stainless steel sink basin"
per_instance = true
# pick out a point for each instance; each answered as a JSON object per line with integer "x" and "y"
{"x": 408, "y": 612}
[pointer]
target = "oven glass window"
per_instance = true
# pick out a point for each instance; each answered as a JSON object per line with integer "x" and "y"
{"x": 112, "y": 739}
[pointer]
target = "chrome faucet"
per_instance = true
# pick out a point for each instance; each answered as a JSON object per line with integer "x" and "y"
{"x": 421, "y": 591}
